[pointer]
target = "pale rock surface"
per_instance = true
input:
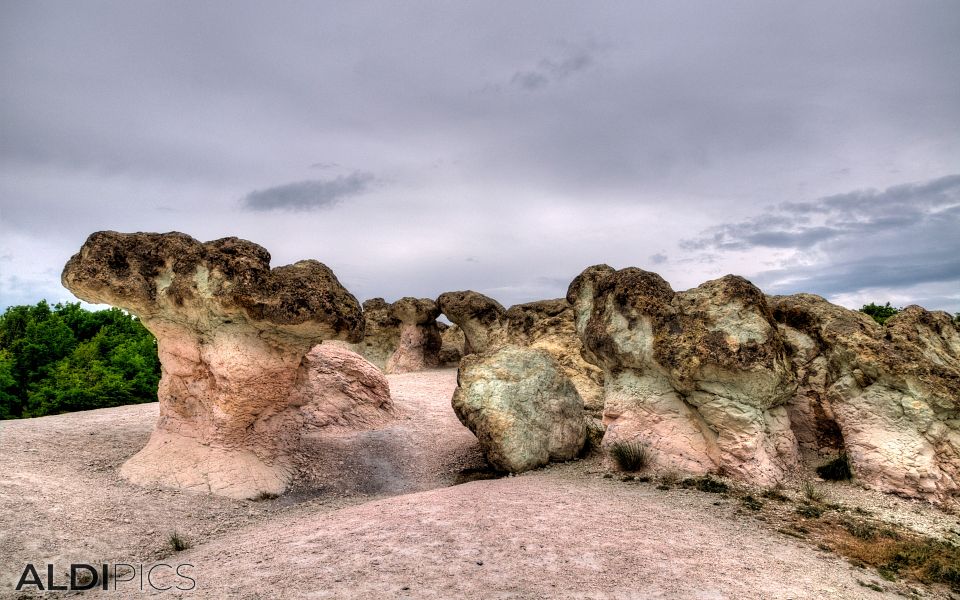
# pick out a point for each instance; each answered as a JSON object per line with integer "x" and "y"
{"x": 549, "y": 325}
{"x": 524, "y": 411}
{"x": 888, "y": 395}
{"x": 232, "y": 337}
{"x": 546, "y": 324}
{"x": 701, "y": 376}
{"x": 420, "y": 342}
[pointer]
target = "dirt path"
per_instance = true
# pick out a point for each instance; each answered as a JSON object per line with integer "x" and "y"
{"x": 373, "y": 516}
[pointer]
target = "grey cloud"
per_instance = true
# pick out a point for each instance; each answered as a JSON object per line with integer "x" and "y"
{"x": 867, "y": 244}
{"x": 549, "y": 71}
{"x": 859, "y": 213}
{"x": 659, "y": 258}
{"x": 876, "y": 271}
{"x": 308, "y": 195}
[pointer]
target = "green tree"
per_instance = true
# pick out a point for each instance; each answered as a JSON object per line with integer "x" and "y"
{"x": 880, "y": 313}
{"x": 66, "y": 358}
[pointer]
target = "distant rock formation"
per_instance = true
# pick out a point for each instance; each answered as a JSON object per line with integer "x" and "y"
{"x": 420, "y": 341}
{"x": 722, "y": 378}
{"x": 524, "y": 411}
{"x": 233, "y": 337}
{"x": 381, "y": 336}
{"x": 547, "y": 324}
{"x": 887, "y": 395}
{"x": 425, "y": 345}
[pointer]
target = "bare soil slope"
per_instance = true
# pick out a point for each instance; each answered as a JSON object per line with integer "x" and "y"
{"x": 374, "y": 517}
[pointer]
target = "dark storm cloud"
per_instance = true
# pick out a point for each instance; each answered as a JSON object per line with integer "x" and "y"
{"x": 308, "y": 195}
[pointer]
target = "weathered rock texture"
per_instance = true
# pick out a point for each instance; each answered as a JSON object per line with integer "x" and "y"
{"x": 452, "y": 346}
{"x": 701, "y": 376}
{"x": 381, "y": 336}
{"x": 233, "y": 336}
{"x": 722, "y": 378}
{"x": 887, "y": 395}
{"x": 547, "y": 325}
{"x": 481, "y": 318}
{"x": 524, "y": 411}
{"x": 550, "y": 325}
{"x": 419, "y": 346}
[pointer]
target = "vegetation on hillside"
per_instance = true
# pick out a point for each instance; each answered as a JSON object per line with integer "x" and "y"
{"x": 65, "y": 358}
{"x": 880, "y": 313}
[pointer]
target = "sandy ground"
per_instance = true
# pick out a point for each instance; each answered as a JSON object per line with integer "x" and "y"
{"x": 377, "y": 515}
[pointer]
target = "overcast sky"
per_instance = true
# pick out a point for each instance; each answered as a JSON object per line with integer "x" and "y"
{"x": 419, "y": 147}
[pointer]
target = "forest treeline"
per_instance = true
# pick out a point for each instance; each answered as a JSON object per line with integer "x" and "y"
{"x": 63, "y": 358}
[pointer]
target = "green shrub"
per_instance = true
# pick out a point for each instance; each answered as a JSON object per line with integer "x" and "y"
{"x": 707, "y": 484}
{"x": 812, "y": 492}
{"x": 631, "y": 456}
{"x": 752, "y": 503}
{"x": 178, "y": 542}
{"x": 880, "y": 313}
{"x": 810, "y": 511}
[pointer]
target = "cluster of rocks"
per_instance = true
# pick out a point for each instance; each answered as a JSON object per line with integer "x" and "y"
{"x": 723, "y": 378}
{"x": 720, "y": 378}
{"x": 406, "y": 336}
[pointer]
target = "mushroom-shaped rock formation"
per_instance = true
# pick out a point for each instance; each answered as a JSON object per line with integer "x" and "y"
{"x": 549, "y": 325}
{"x": 452, "y": 344}
{"x": 889, "y": 395}
{"x": 524, "y": 411}
{"x": 232, "y": 334}
{"x": 481, "y": 318}
{"x": 701, "y": 376}
{"x": 381, "y": 336}
{"x": 420, "y": 342}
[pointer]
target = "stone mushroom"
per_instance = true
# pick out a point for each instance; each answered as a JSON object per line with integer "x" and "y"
{"x": 232, "y": 334}
{"x": 420, "y": 341}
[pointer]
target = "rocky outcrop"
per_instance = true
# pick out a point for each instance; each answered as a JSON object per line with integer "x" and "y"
{"x": 452, "y": 344}
{"x": 701, "y": 376}
{"x": 547, "y": 325}
{"x": 522, "y": 408}
{"x": 233, "y": 337}
{"x": 420, "y": 341}
{"x": 481, "y": 318}
{"x": 722, "y": 378}
{"x": 889, "y": 396}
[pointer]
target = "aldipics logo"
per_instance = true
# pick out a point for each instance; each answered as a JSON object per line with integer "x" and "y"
{"x": 125, "y": 577}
